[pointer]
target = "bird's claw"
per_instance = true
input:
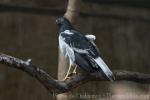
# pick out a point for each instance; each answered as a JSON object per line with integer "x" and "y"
{"x": 74, "y": 72}
{"x": 66, "y": 78}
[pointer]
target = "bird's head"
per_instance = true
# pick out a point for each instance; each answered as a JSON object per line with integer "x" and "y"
{"x": 61, "y": 21}
{"x": 63, "y": 24}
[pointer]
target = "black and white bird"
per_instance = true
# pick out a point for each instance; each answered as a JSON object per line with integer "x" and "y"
{"x": 80, "y": 49}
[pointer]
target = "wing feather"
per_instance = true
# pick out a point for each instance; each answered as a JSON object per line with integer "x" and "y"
{"x": 80, "y": 43}
{"x": 104, "y": 68}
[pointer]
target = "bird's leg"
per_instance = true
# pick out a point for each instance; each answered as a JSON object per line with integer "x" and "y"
{"x": 74, "y": 71}
{"x": 66, "y": 77}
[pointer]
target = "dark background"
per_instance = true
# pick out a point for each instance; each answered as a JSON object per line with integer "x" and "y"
{"x": 28, "y": 30}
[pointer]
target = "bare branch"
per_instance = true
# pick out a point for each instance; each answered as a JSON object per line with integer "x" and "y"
{"x": 57, "y": 86}
{"x": 73, "y": 10}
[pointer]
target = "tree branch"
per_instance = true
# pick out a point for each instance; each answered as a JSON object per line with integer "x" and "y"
{"x": 73, "y": 10}
{"x": 57, "y": 86}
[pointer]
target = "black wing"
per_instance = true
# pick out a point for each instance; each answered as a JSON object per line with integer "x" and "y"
{"x": 80, "y": 43}
{"x": 84, "y": 62}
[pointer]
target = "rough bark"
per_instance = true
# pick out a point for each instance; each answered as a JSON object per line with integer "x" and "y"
{"x": 57, "y": 86}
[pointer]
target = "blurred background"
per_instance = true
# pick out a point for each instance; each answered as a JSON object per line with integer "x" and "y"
{"x": 28, "y": 30}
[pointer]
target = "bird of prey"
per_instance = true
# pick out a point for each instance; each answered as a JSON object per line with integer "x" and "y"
{"x": 80, "y": 49}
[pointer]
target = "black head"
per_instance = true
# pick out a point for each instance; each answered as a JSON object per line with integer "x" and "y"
{"x": 62, "y": 20}
{"x": 63, "y": 24}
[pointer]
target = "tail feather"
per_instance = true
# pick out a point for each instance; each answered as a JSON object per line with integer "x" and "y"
{"x": 104, "y": 68}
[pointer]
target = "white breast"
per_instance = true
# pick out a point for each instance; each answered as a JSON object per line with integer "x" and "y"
{"x": 66, "y": 49}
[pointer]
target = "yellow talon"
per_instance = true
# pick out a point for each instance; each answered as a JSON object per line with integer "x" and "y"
{"x": 74, "y": 71}
{"x": 68, "y": 72}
